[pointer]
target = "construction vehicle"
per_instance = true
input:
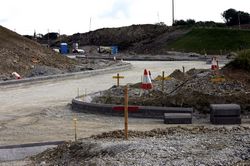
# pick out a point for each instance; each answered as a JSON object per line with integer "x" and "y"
{"x": 108, "y": 49}
{"x": 104, "y": 49}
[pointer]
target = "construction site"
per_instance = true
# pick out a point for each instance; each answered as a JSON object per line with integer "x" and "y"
{"x": 124, "y": 96}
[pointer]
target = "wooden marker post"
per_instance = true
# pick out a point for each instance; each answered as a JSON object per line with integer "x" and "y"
{"x": 85, "y": 94}
{"x": 118, "y": 77}
{"x": 141, "y": 91}
{"x": 78, "y": 92}
{"x": 75, "y": 127}
{"x": 126, "y": 112}
{"x": 163, "y": 75}
{"x": 183, "y": 71}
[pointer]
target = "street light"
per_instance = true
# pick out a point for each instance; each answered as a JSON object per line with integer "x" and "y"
{"x": 173, "y": 11}
{"x": 239, "y": 18}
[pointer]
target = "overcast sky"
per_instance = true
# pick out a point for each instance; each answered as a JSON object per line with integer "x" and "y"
{"x": 72, "y": 16}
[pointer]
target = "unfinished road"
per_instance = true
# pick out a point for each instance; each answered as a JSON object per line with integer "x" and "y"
{"x": 39, "y": 112}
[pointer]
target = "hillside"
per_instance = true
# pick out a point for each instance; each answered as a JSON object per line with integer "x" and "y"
{"x": 212, "y": 41}
{"x": 144, "y": 39}
{"x": 123, "y": 36}
{"x": 158, "y": 39}
{"x": 21, "y": 55}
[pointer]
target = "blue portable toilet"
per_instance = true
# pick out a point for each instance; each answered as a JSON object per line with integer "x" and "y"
{"x": 114, "y": 50}
{"x": 64, "y": 48}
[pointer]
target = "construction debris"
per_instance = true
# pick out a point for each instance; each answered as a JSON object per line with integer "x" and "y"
{"x": 194, "y": 89}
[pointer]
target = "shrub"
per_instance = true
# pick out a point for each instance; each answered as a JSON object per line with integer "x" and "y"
{"x": 242, "y": 61}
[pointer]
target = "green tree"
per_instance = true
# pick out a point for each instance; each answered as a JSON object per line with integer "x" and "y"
{"x": 190, "y": 22}
{"x": 183, "y": 22}
{"x": 244, "y": 17}
{"x": 234, "y": 17}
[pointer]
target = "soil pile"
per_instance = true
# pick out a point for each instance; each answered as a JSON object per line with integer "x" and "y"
{"x": 239, "y": 68}
{"x": 134, "y": 39}
{"x": 170, "y": 146}
{"x": 29, "y": 59}
{"x": 123, "y": 36}
{"x": 19, "y": 54}
{"x": 195, "y": 88}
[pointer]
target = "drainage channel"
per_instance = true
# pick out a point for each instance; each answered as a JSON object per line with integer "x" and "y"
{"x": 19, "y": 152}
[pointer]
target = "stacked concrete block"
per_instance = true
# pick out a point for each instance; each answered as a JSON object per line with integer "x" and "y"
{"x": 178, "y": 118}
{"x": 178, "y": 115}
{"x": 225, "y": 114}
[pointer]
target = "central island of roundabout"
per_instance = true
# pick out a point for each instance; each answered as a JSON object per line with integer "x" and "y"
{"x": 185, "y": 114}
{"x": 172, "y": 98}
{"x": 173, "y": 115}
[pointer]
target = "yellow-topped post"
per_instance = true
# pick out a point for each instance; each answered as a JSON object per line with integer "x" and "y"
{"x": 118, "y": 77}
{"x": 162, "y": 83}
{"x": 75, "y": 126}
{"x": 126, "y": 112}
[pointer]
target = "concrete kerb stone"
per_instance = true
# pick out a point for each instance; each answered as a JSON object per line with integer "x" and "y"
{"x": 19, "y": 152}
{"x": 143, "y": 111}
{"x": 66, "y": 76}
{"x": 225, "y": 109}
{"x": 225, "y": 120}
{"x": 177, "y": 118}
{"x": 32, "y": 145}
{"x": 225, "y": 114}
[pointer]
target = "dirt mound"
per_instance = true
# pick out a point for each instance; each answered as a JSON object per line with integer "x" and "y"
{"x": 194, "y": 71}
{"x": 232, "y": 73}
{"x": 43, "y": 71}
{"x": 123, "y": 36}
{"x": 170, "y": 146}
{"x": 177, "y": 74}
{"x": 198, "y": 89}
{"x": 19, "y": 54}
{"x": 158, "y": 44}
{"x": 134, "y": 39}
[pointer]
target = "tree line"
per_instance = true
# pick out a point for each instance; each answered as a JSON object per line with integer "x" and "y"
{"x": 231, "y": 17}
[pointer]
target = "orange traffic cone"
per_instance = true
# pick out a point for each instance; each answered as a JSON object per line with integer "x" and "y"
{"x": 146, "y": 82}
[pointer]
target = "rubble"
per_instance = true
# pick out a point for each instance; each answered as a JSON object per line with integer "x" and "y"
{"x": 171, "y": 146}
{"x": 194, "y": 89}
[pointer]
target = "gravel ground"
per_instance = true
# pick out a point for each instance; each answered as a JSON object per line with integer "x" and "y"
{"x": 171, "y": 146}
{"x": 84, "y": 64}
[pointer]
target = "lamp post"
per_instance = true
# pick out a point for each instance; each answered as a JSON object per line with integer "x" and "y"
{"x": 173, "y": 11}
{"x": 239, "y": 18}
{"x": 48, "y": 38}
